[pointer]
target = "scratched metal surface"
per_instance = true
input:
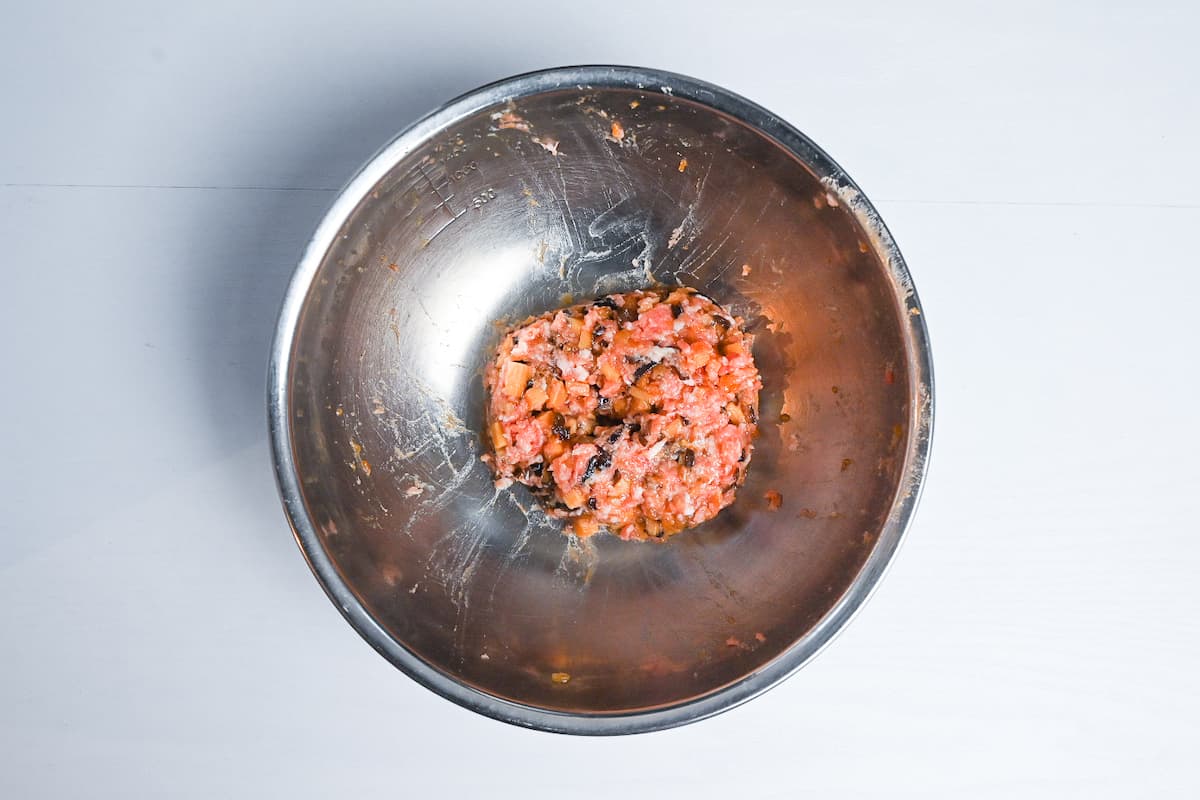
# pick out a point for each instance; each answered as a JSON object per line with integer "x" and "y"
{"x": 497, "y": 208}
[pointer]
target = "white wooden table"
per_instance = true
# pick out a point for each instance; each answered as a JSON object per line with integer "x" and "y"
{"x": 160, "y": 170}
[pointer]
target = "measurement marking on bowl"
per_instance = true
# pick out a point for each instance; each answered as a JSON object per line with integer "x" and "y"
{"x": 440, "y": 182}
{"x": 437, "y": 190}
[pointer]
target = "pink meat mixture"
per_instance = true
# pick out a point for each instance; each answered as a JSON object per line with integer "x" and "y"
{"x": 635, "y": 412}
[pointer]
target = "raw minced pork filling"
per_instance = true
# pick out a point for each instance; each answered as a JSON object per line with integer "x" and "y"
{"x": 635, "y": 412}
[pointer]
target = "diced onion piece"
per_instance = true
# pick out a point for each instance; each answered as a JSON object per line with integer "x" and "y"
{"x": 535, "y": 398}
{"x": 553, "y": 448}
{"x": 640, "y": 394}
{"x": 585, "y": 526}
{"x": 516, "y": 376}
{"x": 499, "y": 440}
{"x": 556, "y": 393}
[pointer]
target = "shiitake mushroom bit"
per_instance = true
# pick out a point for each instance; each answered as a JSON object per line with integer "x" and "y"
{"x": 633, "y": 413}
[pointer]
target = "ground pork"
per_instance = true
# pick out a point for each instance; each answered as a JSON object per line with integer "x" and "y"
{"x": 634, "y": 413}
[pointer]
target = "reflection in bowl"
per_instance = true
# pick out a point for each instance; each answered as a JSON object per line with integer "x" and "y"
{"x": 512, "y": 200}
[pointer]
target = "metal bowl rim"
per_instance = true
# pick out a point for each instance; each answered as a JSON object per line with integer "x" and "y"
{"x": 803, "y": 650}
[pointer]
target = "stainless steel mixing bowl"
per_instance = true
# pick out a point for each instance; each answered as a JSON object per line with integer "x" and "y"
{"x": 584, "y": 181}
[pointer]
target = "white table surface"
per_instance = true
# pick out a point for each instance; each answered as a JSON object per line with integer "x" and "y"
{"x": 160, "y": 169}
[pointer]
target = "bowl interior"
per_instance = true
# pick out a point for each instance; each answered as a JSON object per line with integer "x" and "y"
{"x": 505, "y": 212}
